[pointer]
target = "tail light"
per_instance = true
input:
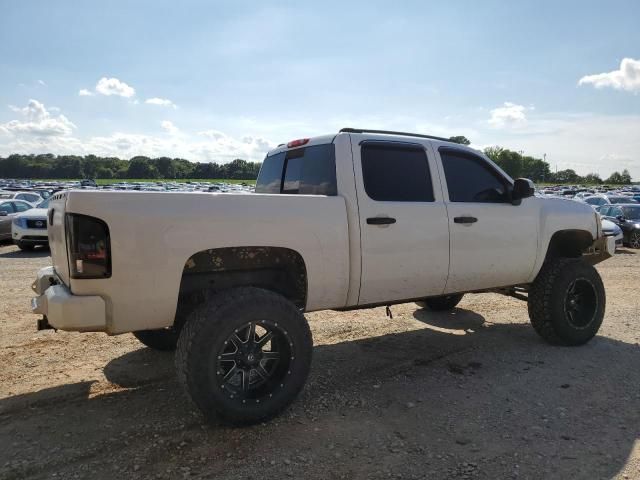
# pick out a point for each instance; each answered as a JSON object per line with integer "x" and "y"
{"x": 89, "y": 247}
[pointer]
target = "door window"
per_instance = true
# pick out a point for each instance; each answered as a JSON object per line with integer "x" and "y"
{"x": 471, "y": 179}
{"x": 396, "y": 172}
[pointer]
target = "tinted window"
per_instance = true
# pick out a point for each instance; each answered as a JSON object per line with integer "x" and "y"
{"x": 307, "y": 171}
{"x": 471, "y": 179}
{"x": 6, "y": 207}
{"x": 270, "y": 176}
{"x": 396, "y": 173}
{"x": 21, "y": 207}
{"x": 615, "y": 212}
{"x": 311, "y": 171}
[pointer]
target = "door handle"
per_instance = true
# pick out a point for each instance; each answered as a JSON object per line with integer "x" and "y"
{"x": 381, "y": 220}
{"x": 465, "y": 220}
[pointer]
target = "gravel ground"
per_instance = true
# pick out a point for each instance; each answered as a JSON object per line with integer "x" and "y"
{"x": 473, "y": 393}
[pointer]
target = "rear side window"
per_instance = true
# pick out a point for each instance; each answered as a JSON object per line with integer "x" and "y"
{"x": 270, "y": 176}
{"x": 303, "y": 171}
{"x": 396, "y": 173}
{"x": 470, "y": 179}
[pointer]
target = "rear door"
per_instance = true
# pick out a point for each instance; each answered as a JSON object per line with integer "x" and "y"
{"x": 493, "y": 243}
{"x": 404, "y": 238}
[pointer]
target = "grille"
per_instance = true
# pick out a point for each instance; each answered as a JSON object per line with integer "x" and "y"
{"x": 37, "y": 223}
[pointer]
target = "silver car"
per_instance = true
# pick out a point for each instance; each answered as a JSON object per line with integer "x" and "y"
{"x": 8, "y": 210}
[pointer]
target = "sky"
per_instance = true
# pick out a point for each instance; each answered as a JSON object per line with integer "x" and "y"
{"x": 214, "y": 81}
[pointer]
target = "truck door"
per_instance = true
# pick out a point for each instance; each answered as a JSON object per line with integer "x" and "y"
{"x": 493, "y": 243}
{"x": 403, "y": 221}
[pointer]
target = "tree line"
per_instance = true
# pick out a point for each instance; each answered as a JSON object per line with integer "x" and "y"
{"x": 49, "y": 166}
{"x": 538, "y": 170}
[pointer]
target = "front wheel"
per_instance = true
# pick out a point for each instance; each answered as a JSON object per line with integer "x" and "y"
{"x": 441, "y": 304}
{"x": 634, "y": 240}
{"x": 567, "y": 302}
{"x": 244, "y": 355}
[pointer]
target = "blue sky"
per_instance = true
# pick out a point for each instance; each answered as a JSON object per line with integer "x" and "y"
{"x": 211, "y": 81}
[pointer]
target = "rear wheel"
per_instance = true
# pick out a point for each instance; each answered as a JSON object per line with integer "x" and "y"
{"x": 567, "y": 302}
{"x": 164, "y": 339}
{"x": 244, "y": 355}
{"x": 440, "y": 304}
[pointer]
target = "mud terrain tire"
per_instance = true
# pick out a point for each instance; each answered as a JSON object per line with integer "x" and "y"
{"x": 231, "y": 370}
{"x": 567, "y": 302}
{"x": 441, "y": 304}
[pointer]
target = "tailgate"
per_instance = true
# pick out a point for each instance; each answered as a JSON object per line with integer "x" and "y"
{"x": 57, "y": 237}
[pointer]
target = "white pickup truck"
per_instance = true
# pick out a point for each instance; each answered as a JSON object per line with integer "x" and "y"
{"x": 349, "y": 220}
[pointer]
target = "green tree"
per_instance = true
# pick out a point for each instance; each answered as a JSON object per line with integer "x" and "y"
{"x": 461, "y": 139}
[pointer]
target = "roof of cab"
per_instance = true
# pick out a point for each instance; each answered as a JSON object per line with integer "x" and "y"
{"x": 323, "y": 139}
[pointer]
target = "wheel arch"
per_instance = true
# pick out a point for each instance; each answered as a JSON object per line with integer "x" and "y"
{"x": 278, "y": 269}
{"x": 569, "y": 243}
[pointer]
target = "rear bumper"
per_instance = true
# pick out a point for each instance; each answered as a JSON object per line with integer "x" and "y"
{"x": 63, "y": 310}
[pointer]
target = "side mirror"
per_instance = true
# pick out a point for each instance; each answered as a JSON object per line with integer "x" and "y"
{"x": 522, "y": 188}
{"x": 621, "y": 218}
{"x": 3, "y": 213}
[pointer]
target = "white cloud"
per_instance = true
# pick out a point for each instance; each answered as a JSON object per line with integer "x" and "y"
{"x": 508, "y": 115}
{"x": 41, "y": 82}
{"x": 85, "y": 93}
{"x": 163, "y": 102}
{"x": 37, "y": 121}
{"x": 113, "y": 86}
{"x": 627, "y": 77}
{"x": 169, "y": 127}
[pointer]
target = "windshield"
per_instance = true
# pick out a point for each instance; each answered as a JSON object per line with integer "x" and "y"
{"x": 631, "y": 213}
{"x": 44, "y": 204}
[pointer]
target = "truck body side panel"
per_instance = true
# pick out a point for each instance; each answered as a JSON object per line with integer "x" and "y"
{"x": 154, "y": 234}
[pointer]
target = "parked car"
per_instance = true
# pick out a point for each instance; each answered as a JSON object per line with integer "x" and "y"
{"x": 627, "y": 217}
{"x": 8, "y": 210}
{"x": 367, "y": 218}
{"x": 32, "y": 197}
{"x": 29, "y": 229}
{"x": 610, "y": 229}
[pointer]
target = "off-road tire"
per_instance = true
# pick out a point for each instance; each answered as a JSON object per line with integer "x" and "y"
{"x": 26, "y": 247}
{"x": 204, "y": 338}
{"x": 441, "y": 304}
{"x": 548, "y": 297}
{"x": 164, "y": 339}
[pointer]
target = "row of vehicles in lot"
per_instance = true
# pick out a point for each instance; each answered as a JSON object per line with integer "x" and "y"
{"x": 23, "y": 205}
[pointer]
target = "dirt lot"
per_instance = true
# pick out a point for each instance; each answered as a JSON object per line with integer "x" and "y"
{"x": 468, "y": 394}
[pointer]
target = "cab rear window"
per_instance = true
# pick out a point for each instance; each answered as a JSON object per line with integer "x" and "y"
{"x": 302, "y": 171}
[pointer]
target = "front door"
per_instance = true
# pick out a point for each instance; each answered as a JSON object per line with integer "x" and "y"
{"x": 493, "y": 242}
{"x": 403, "y": 221}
